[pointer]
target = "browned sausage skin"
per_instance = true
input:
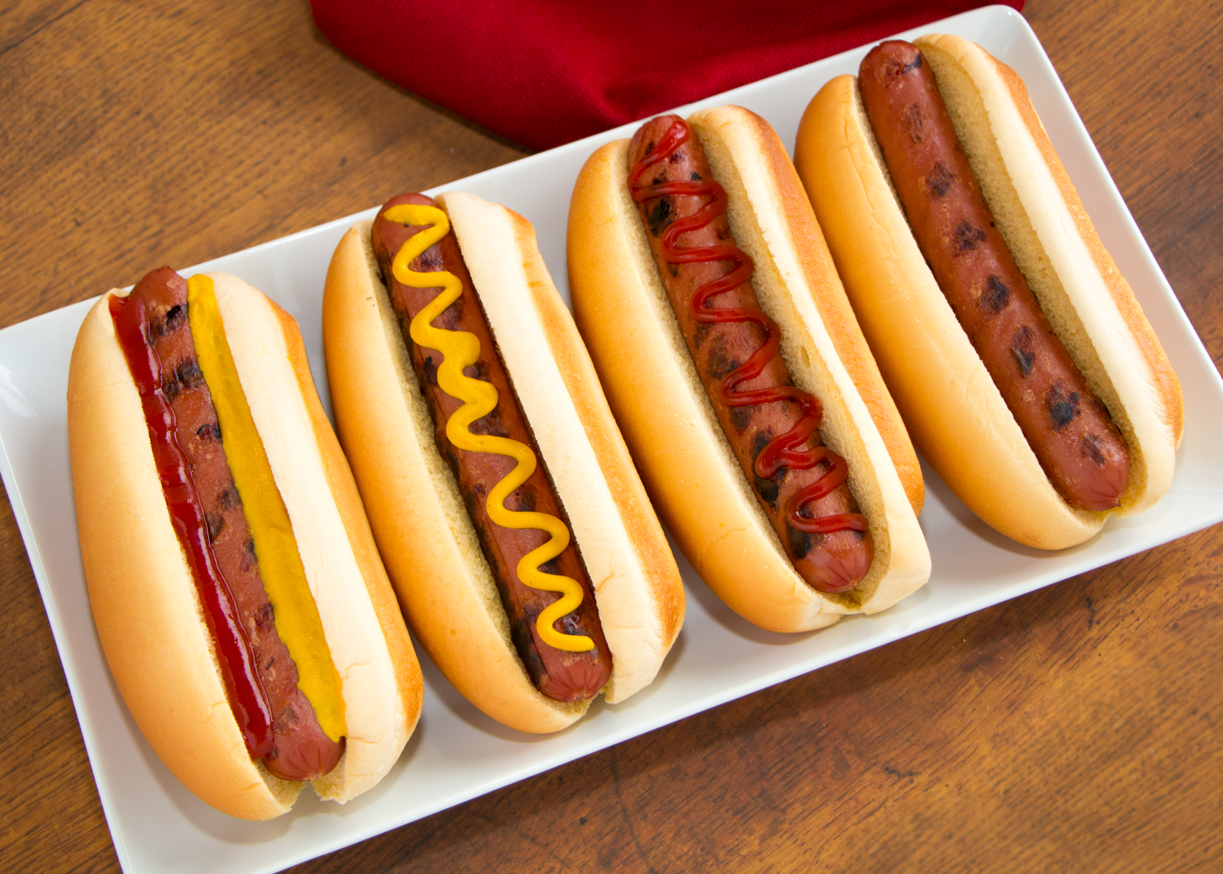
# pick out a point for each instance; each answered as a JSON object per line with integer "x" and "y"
{"x": 1077, "y": 444}
{"x": 560, "y": 675}
{"x": 300, "y": 749}
{"x": 733, "y": 344}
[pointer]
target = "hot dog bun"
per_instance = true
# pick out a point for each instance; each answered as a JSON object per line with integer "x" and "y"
{"x": 140, "y": 586}
{"x": 417, "y": 513}
{"x": 954, "y": 411}
{"x": 685, "y": 459}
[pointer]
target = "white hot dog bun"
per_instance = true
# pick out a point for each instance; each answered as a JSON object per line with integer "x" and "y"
{"x": 686, "y": 461}
{"x": 427, "y": 538}
{"x": 145, "y": 604}
{"x": 956, "y": 415}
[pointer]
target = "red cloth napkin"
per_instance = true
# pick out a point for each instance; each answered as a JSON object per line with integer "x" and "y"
{"x": 545, "y": 72}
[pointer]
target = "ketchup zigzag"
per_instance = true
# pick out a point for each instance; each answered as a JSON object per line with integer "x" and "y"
{"x": 788, "y": 450}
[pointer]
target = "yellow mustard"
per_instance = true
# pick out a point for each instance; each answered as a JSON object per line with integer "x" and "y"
{"x": 280, "y": 565}
{"x": 459, "y": 350}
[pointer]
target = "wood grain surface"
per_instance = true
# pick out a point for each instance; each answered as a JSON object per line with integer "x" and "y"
{"x": 1079, "y": 728}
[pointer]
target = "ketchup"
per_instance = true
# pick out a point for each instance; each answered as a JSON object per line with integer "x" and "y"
{"x": 792, "y": 449}
{"x": 247, "y": 698}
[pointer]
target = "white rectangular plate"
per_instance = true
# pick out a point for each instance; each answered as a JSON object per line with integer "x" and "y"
{"x": 456, "y": 752}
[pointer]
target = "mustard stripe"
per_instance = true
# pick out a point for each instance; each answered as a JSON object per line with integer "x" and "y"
{"x": 280, "y": 565}
{"x": 461, "y": 349}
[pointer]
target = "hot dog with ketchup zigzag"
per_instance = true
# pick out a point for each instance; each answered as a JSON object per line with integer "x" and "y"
{"x": 736, "y": 368}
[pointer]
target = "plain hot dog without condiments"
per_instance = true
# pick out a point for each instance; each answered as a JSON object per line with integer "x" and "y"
{"x": 761, "y": 426}
{"x": 1032, "y": 382}
{"x": 1070, "y": 431}
{"x": 524, "y": 551}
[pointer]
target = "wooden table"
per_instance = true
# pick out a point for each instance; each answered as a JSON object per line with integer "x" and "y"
{"x": 1076, "y": 728}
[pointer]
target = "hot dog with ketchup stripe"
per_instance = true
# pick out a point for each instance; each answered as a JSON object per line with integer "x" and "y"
{"x": 1032, "y": 383}
{"x": 246, "y": 661}
{"x": 522, "y": 546}
{"x": 279, "y": 719}
{"x": 702, "y": 285}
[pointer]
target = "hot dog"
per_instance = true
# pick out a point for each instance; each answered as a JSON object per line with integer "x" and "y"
{"x": 732, "y": 341}
{"x": 1017, "y": 353}
{"x": 525, "y": 553}
{"x": 236, "y": 650}
{"x": 705, "y": 292}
